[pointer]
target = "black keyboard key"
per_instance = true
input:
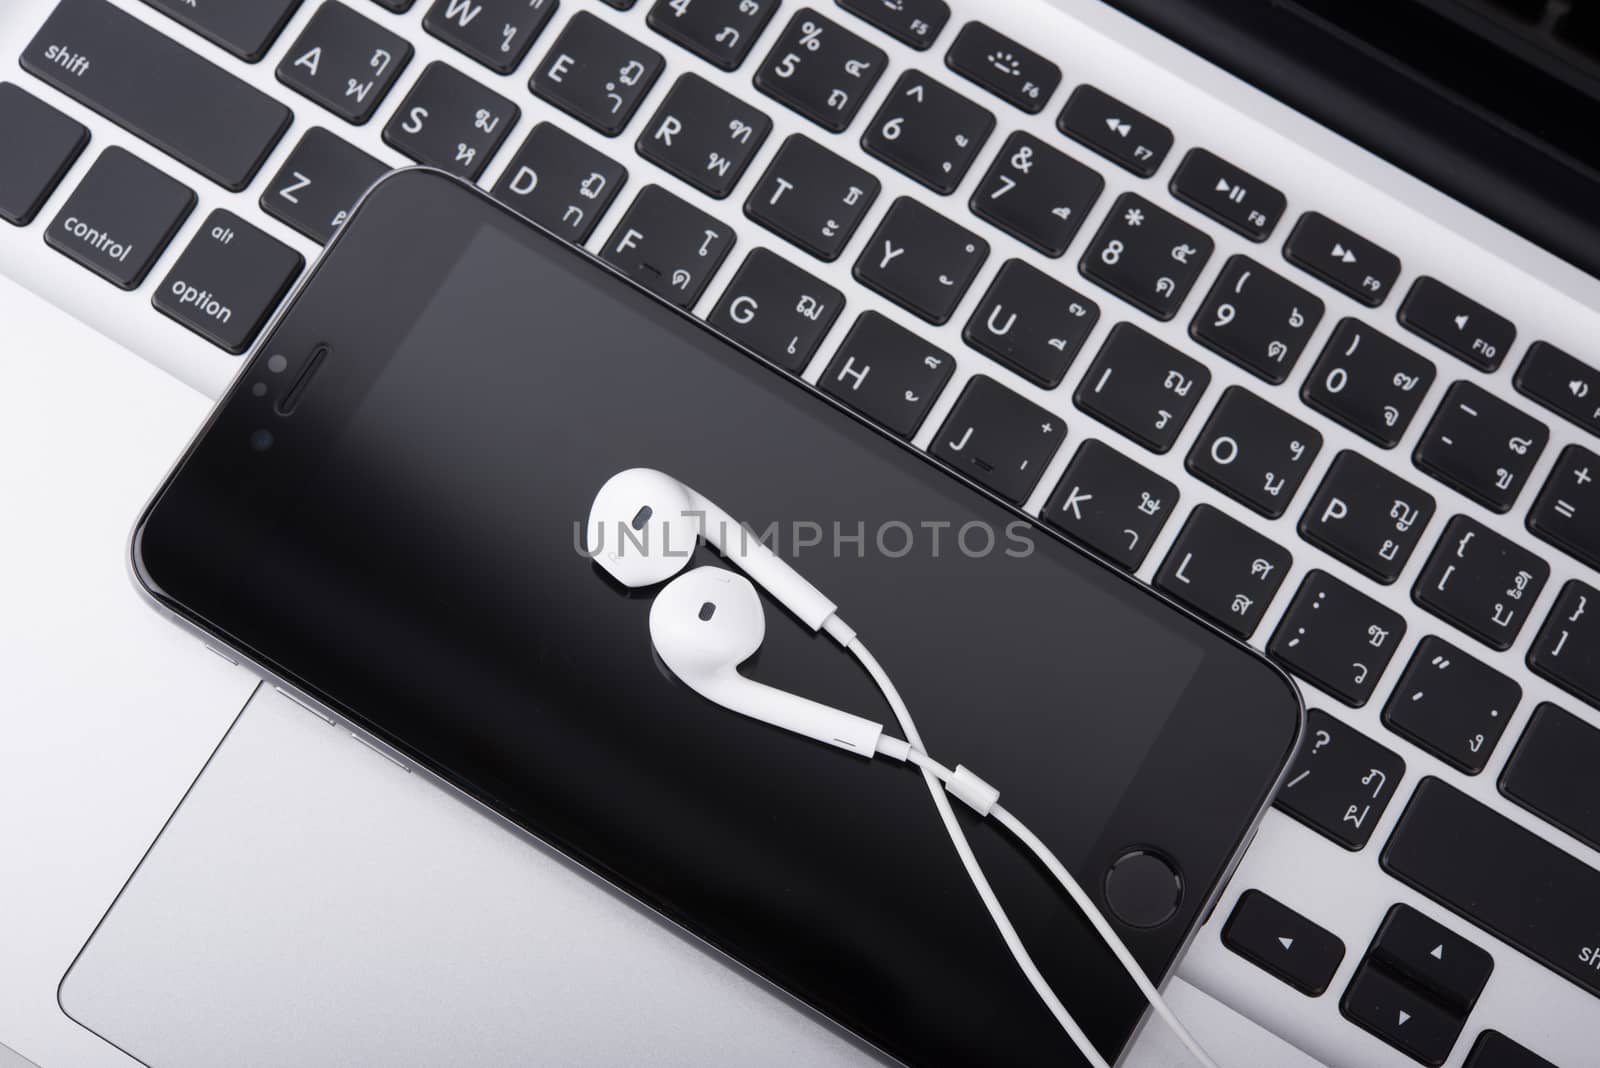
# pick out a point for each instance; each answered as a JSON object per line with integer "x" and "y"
{"x": 1111, "y": 504}
{"x": 997, "y": 439}
{"x": 1036, "y": 194}
{"x": 921, "y": 260}
{"x": 120, "y": 217}
{"x": 812, "y": 197}
{"x": 1259, "y": 320}
{"x": 620, "y": 5}
{"x": 228, "y": 281}
{"x": 1254, "y": 452}
{"x": 1147, "y": 256}
{"x": 1430, "y": 955}
{"x": 496, "y": 33}
{"x": 887, "y": 373}
{"x": 1562, "y": 383}
{"x": 1367, "y": 516}
{"x": 777, "y": 309}
{"x": 1337, "y": 638}
{"x": 1481, "y": 445}
{"x": 928, "y": 132}
{"x": 1454, "y": 706}
{"x": 1342, "y": 258}
{"x": 319, "y": 183}
{"x": 821, "y": 70}
{"x": 157, "y": 89}
{"x": 704, "y": 135}
{"x": 1341, "y": 781}
{"x": 1401, "y": 1014}
{"x": 596, "y": 73}
{"x": 1122, "y": 135}
{"x": 1031, "y": 323}
{"x": 53, "y": 142}
{"x": 718, "y": 31}
{"x": 1567, "y": 649}
{"x": 913, "y": 22}
{"x": 399, "y": 7}
{"x": 560, "y": 183}
{"x": 1235, "y": 198}
{"x": 1015, "y": 74}
{"x": 1368, "y": 383}
{"x": 1492, "y": 871}
{"x": 1480, "y": 581}
{"x": 1457, "y": 324}
{"x": 1551, "y": 772}
{"x": 246, "y": 30}
{"x": 1273, "y": 936}
{"x": 1567, "y": 511}
{"x": 451, "y": 122}
{"x": 1142, "y": 386}
{"x": 1494, "y": 1050}
{"x": 345, "y": 62}
{"x": 1223, "y": 570}
{"x": 668, "y": 246}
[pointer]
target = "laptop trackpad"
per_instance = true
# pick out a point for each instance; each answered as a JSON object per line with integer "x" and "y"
{"x": 311, "y": 902}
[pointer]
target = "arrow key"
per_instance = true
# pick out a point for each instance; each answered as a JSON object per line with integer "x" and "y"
{"x": 1270, "y": 934}
{"x": 1452, "y": 969}
{"x": 1401, "y": 1014}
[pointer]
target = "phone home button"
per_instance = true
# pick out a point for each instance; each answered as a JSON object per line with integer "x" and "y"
{"x": 1143, "y": 889}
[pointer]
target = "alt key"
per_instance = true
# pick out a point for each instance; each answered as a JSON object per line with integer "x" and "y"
{"x": 228, "y": 281}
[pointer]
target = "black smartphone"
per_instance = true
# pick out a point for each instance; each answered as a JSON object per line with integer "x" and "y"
{"x": 385, "y": 514}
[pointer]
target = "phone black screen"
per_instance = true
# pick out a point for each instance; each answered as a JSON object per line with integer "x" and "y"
{"x": 408, "y": 549}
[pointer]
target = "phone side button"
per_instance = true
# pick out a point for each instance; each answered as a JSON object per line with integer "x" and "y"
{"x": 1283, "y": 943}
{"x": 376, "y": 749}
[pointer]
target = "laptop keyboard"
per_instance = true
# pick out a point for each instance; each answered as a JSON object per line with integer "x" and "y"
{"x": 992, "y": 287}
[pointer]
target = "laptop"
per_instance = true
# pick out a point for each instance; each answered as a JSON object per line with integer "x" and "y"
{"x": 1366, "y": 233}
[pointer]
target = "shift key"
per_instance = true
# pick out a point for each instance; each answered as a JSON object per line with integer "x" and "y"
{"x": 157, "y": 89}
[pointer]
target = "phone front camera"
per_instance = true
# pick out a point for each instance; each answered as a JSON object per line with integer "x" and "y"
{"x": 261, "y": 440}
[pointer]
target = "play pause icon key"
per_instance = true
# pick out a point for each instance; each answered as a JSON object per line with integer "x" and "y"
{"x": 1233, "y": 197}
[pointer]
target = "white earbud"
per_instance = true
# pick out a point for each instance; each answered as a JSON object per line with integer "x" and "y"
{"x": 707, "y": 622}
{"x": 644, "y": 525}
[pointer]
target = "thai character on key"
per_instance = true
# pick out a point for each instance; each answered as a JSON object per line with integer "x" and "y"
{"x": 1149, "y": 505}
{"x": 1403, "y": 514}
{"x": 1241, "y": 604}
{"x": 1274, "y": 485}
{"x": 1376, "y": 636}
{"x": 1178, "y": 383}
{"x": 1276, "y": 351}
{"x": 630, "y": 72}
{"x": 1405, "y": 382}
{"x": 1391, "y": 415}
{"x": 1519, "y": 585}
{"x": 1374, "y": 773}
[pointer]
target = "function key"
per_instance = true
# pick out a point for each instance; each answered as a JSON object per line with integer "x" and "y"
{"x": 921, "y": 260}
{"x": 1142, "y": 386}
{"x": 1341, "y": 781}
{"x": 228, "y": 281}
{"x": 1453, "y": 705}
{"x": 1254, "y": 452}
{"x": 1015, "y": 74}
{"x": 1147, "y": 256}
{"x": 1456, "y": 324}
{"x": 1031, "y": 323}
{"x": 344, "y": 61}
{"x": 496, "y": 33}
{"x": 821, "y": 70}
{"x": 1257, "y": 319}
{"x": 1337, "y": 638}
{"x": 812, "y": 197}
{"x": 998, "y": 440}
{"x": 1036, "y": 194}
{"x": 1367, "y": 516}
{"x": 777, "y": 309}
{"x": 1224, "y": 570}
{"x": 120, "y": 217}
{"x": 1273, "y": 936}
{"x": 1481, "y": 445}
{"x": 1343, "y": 258}
{"x": 668, "y": 246}
{"x": 1119, "y": 133}
{"x": 1401, "y": 1014}
{"x": 704, "y": 135}
{"x": 1567, "y": 512}
{"x": 596, "y": 73}
{"x": 560, "y": 183}
{"x": 54, "y": 141}
{"x": 1494, "y": 1050}
{"x": 1235, "y": 198}
{"x": 912, "y": 22}
{"x": 319, "y": 183}
{"x": 1562, "y": 383}
{"x": 246, "y": 30}
{"x": 718, "y": 31}
{"x": 928, "y": 132}
{"x": 450, "y": 121}
{"x": 1111, "y": 504}
{"x": 1567, "y": 649}
{"x": 887, "y": 373}
{"x": 1480, "y": 581}
{"x": 1551, "y": 772}
{"x": 1367, "y": 382}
